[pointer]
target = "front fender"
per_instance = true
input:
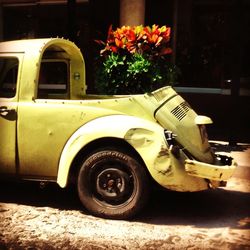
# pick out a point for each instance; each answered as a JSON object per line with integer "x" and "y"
{"x": 145, "y": 136}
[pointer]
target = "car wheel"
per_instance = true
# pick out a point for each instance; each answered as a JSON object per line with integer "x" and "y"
{"x": 112, "y": 184}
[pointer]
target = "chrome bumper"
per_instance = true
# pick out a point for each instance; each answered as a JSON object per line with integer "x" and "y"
{"x": 222, "y": 170}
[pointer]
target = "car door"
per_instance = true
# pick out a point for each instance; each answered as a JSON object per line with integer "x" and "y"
{"x": 9, "y": 66}
{"x": 45, "y": 122}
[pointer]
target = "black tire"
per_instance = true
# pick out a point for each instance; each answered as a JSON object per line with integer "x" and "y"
{"x": 112, "y": 184}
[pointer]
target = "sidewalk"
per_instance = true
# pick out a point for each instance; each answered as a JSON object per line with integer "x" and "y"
{"x": 240, "y": 152}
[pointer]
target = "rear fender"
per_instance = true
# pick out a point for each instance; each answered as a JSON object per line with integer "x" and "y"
{"x": 146, "y": 137}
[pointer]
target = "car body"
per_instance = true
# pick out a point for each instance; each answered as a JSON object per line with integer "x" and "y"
{"x": 110, "y": 146}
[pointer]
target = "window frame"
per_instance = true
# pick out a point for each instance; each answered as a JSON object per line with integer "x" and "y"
{"x": 17, "y": 68}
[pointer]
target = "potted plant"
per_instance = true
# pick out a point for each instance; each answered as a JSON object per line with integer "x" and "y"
{"x": 135, "y": 60}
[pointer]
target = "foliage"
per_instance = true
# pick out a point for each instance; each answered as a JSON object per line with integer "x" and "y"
{"x": 135, "y": 60}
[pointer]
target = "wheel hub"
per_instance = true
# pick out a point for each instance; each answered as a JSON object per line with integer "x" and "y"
{"x": 112, "y": 184}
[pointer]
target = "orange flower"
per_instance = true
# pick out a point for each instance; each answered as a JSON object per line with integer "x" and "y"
{"x": 134, "y": 39}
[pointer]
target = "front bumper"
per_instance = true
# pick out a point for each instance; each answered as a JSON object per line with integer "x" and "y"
{"x": 222, "y": 170}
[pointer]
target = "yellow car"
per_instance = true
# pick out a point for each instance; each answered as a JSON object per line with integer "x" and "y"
{"x": 109, "y": 146}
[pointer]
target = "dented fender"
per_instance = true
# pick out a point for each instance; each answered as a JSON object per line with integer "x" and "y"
{"x": 145, "y": 136}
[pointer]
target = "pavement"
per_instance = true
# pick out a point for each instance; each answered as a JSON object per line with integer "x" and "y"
{"x": 240, "y": 152}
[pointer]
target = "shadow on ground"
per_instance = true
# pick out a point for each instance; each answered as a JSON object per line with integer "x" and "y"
{"x": 32, "y": 194}
{"x": 211, "y": 208}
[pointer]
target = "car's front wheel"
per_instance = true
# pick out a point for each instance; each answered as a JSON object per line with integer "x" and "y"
{"x": 112, "y": 184}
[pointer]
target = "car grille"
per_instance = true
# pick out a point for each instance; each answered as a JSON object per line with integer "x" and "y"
{"x": 181, "y": 110}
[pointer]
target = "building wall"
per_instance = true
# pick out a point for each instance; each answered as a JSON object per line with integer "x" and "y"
{"x": 211, "y": 41}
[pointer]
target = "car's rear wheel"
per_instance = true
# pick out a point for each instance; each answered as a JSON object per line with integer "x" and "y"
{"x": 112, "y": 184}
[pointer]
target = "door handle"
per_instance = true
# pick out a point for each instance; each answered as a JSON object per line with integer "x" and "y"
{"x": 5, "y": 110}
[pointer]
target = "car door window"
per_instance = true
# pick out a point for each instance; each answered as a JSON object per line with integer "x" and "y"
{"x": 8, "y": 76}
